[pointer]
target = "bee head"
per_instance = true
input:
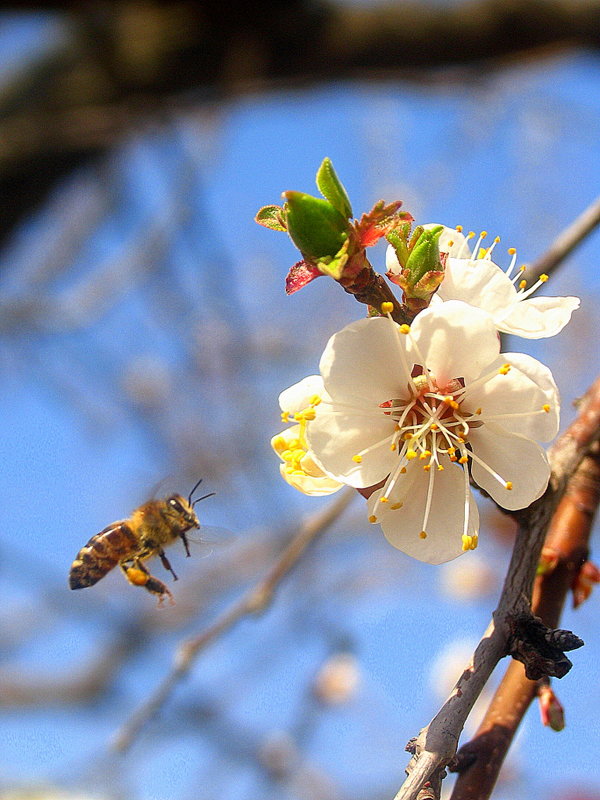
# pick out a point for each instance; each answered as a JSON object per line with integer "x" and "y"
{"x": 183, "y": 511}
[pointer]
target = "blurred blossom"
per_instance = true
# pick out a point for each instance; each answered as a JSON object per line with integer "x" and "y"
{"x": 468, "y": 580}
{"x": 338, "y": 679}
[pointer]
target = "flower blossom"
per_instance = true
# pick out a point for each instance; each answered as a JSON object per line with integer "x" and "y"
{"x": 416, "y": 411}
{"x": 300, "y": 468}
{"x": 477, "y": 280}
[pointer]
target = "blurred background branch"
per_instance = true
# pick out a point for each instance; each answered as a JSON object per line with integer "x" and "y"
{"x": 113, "y": 67}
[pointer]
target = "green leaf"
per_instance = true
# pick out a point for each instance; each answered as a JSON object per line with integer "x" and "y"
{"x": 333, "y": 189}
{"x": 425, "y": 255}
{"x": 271, "y": 217}
{"x": 314, "y": 225}
{"x": 399, "y": 245}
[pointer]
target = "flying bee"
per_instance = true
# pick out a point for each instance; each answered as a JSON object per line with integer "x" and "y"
{"x": 130, "y": 542}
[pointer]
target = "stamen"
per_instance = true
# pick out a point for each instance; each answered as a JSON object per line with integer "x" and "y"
{"x": 387, "y": 308}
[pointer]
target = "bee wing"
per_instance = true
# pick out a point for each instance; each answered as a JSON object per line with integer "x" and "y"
{"x": 213, "y": 536}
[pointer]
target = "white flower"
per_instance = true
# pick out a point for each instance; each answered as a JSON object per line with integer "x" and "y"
{"x": 409, "y": 407}
{"x": 481, "y": 283}
{"x": 300, "y": 469}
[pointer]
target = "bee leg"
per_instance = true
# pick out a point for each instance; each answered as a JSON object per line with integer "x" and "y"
{"x": 165, "y": 562}
{"x": 138, "y": 575}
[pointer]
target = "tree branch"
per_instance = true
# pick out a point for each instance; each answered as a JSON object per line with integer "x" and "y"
{"x": 565, "y": 551}
{"x": 566, "y": 242}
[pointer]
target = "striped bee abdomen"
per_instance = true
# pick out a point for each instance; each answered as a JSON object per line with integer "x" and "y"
{"x": 101, "y": 554}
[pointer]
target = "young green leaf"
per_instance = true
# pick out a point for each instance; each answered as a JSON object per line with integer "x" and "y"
{"x": 333, "y": 189}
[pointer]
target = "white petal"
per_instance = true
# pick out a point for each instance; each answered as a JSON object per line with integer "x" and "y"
{"x": 318, "y": 486}
{"x": 526, "y": 388}
{"x": 479, "y": 282}
{"x": 456, "y": 340}
{"x": 445, "y": 524}
{"x": 391, "y": 261}
{"x": 336, "y": 435}
{"x": 363, "y": 361}
{"x": 539, "y": 317}
{"x": 297, "y": 397}
{"x": 517, "y": 459}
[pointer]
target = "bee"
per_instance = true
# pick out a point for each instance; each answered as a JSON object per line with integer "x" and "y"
{"x": 130, "y": 542}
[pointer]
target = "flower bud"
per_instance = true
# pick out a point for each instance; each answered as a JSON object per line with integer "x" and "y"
{"x": 551, "y": 711}
{"x": 317, "y": 229}
{"x": 425, "y": 255}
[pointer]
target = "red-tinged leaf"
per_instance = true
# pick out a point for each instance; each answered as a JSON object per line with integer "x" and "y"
{"x": 380, "y": 221}
{"x": 299, "y": 275}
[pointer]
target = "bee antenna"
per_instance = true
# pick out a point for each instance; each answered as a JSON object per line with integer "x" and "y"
{"x": 193, "y": 490}
{"x": 210, "y": 494}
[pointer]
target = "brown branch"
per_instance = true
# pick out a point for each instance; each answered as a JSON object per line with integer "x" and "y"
{"x": 436, "y": 744}
{"x": 98, "y": 86}
{"x": 566, "y": 242}
{"x": 254, "y": 602}
{"x": 567, "y": 547}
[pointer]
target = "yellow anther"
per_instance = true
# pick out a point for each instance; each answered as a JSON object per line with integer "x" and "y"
{"x": 450, "y": 243}
{"x": 404, "y": 328}
{"x": 309, "y": 413}
{"x": 460, "y": 440}
{"x": 278, "y": 443}
{"x": 287, "y": 455}
{"x": 508, "y": 485}
{"x": 471, "y": 235}
{"x": 546, "y": 408}
{"x": 426, "y": 467}
{"x": 522, "y": 268}
{"x": 459, "y": 228}
{"x": 285, "y": 416}
{"x": 407, "y": 436}
{"x": 440, "y": 468}
{"x": 451, "y": 451}
{"x": 393, "y": 446}
{"x": 384, "y": 499}
{"x": 496, "y": 239}
{"x": 357, "y": 458}
{"x": 478, "y": 411}
{"x": 463, "y": 459}
{"x": 403, "y": 471}
{"x": 315, "y": 400}
{"x": 522, "y": 284}
{"x": 543, "y": 277}
{"x": 372, "y": 518}
{"x": 410, "y": 454}
{"x": 483, "y": 234}
{"x": 504, "y": 369}
{"x": 512, "y": 251}
{"x": 387, "y": 307}
{"x": 467, "y": 542}
{"x": 423, "y": 535}
{"x": 453, "y": 459}
{"x": 396, "y": 427}
{"x": 396, "y": 506}
{"x": 435, "y": 427}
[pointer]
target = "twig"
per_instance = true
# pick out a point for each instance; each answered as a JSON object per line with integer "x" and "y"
{"x": 436, "y": 744}
{"x": 566, "y": 544}
{"x": 566, "y": 242}
{"x": 254, "y": 602}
